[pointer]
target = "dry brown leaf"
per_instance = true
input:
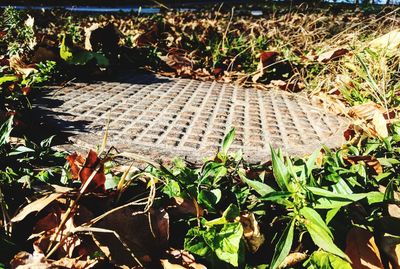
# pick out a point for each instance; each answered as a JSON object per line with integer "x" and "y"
{"x": 74, "y": 263}
{"x": 266, "y": 59}
{"x": 184, "y": 206}
{"x": 82, "y": 168}
{"x": 394, "y": 210}
{"x": 20, "y": 67}
{"x": 254, "y": 238}
{"x": 362, "y": 250}
{"x": 167, "y": 265}
{"x": 183, "y": 258}
{"x": 25, "y": 260}
{"x": 292, "y": 259}
{"x": 370, "y": 161}
{"x": 332, "y": 55}
{"x": 88, "y": 33}
{"x": 36, "y": 206}
{"x": 365, "y": 111}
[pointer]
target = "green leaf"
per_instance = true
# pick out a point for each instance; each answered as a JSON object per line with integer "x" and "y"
{"x": 375, "y": 197}
{"x": 311, "y": 162}
{"x": 324, "y": 260}
{"x": 312, "y": 215}
{"x": 227, "y": 243}
{"x": 280, "y": 171}
{"x": 279, "y": 197}
{"x": 209, "y": 198}
{"x": 325, "y": 193}
{"x": 261, "y": 188}
{"x": 230, "y": 214}
{"x": 319, "y": 233}
{"x": 172, "y": 189}
{"x": 195, "y": 242}
{"x": 5, "y": 79}
{"x": 226, "y": 144}
{"x": 331, "y": 214}
{"x": 283, "y": 246}
{"x": 5, "y": 131}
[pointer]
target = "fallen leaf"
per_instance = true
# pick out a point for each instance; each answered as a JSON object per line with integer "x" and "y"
{"x": 266, "y": 58}
{"x": 332, "y": 55}
{"x": 36, "y": 206}
{"x": 82, "y": 169}
{"x": 389, "y": 41}
{"x": 20, "y": 67}
{"x": 251, "y": 231}
{"x": 292, "y": 259}
{"x": 167, "y": 265}
{"x": 25, "y": 260}
{"x": 288, "y": 86}
{"x": 370, "y": 161}
{"x": 362, "y": 250}
{"x": 184, "y": 206}
{"x": 379, "y": 123}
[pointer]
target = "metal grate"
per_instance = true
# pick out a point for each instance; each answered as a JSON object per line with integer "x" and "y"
{"x": 166, "y": 117}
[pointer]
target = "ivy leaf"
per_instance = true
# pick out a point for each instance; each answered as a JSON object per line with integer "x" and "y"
{"x": 227, "y": 243}
{"x": 283, "y": 246}
{"x": 195, "y": 243}
{"x": 209, "y": 198}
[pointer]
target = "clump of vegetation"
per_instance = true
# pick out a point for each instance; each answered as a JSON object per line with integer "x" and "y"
{"x": 337, "y": 208}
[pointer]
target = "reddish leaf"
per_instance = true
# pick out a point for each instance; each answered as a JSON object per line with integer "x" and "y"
{"x": 370, "y": 161}
{"x": 82, "y": 169}
{"x": 26, "y": 90}
{"x": 332, "y": 55}
{"x": 362, "y": 250}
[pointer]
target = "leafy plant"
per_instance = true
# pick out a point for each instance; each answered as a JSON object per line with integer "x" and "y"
{"x": 19, "y": 36}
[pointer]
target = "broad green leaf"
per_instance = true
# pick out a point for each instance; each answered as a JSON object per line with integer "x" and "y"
{"x": 322, "y": 238}
{"x": 195, "y": 242}
{"x": 209, "y": 198}
{"x": 101, "y": 60}
{"x": 21, "y": 150}
{"x": 172, "y": 189}
{"x": 5, "y": 131}
{"x": 111, "y": 182}
{"x": 227, "y": 142}
{"x": 283, "y": 246}
{"x": 227, "y": 243}
{"x": 230, "y": 214}
{"x": 280, "y": 171}
{"x": 5, "y": 79}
